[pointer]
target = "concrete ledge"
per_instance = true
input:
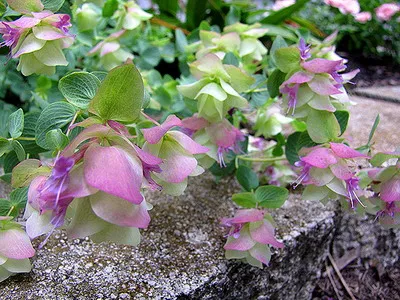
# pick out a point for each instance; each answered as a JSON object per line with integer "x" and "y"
{"x": 181, "y": 255}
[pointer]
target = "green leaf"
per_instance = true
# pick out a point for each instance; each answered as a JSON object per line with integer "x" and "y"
{"x": 56, "y": 139}
{"x": 168, "y": 6}
{"x": 299, "y": 125}
{"x": 270, "y": 196}
{"x": 379, "y": 158}
{"x": 5, "y": 207}
{"x": 16, "y": 123}
{"x": 56, "y": 115}
{"x": 53, "y": 5}
{"x": 287, "y": 59}
{"x": 278, "y": 43}
{"x": 5, "y": 146}
{"x": 195, "y": 13}
{"x": 10, "y": 161}
{"x": 79, "y": 88}
{"x": 342, "y": 116}
{"x": 373, "y": 129}
{"x": 120, "y": 95}
{"x": 274, "y": 82}
{"x": 180, "y": 41}
{"x": 283, "y": 14}
{"x": 101, "y": 75}
{"x": 19, "y": 150}
{"x": 29, "y": 131}
{"x": 246, "y": 200}
{"x": 294, "y": 143}
{"x": 230, "y": 59}
{"x": 247, "y": 178}
{"x": 233, "y": 15}
{"x": 322, "y": 126}
{"x": 110, "y": 6}
{"x": 17, "y": 202}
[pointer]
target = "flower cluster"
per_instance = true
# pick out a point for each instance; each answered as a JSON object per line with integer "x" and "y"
{"x": 37, "y": 39}
{"x": 250, "y": 235}
{"x": 15, "y": 249}
{"x": 318, "y": 85}
{"x": 218, "y": 87}
{"x": 327, "y": 175}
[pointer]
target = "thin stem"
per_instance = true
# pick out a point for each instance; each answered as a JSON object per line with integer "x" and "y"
{"x": 158, "y": 21}
{"x": 23, "y": 138}
{"x": 72, "y": 123}
{"x": 10, "y": 211}
{"x": 261, "y": 159}
{"x": 150, "y": 119}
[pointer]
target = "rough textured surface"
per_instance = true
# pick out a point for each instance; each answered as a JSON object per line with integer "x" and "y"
{"x": 181, "y": 255}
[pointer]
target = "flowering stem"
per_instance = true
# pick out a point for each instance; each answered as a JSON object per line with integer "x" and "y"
{"x": 23, "y": 138}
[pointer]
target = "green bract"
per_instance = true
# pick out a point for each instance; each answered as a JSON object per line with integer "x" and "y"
{"x": 218, "y": 88}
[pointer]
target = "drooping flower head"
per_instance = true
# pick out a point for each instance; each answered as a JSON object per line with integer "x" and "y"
{"x": 177, "y": 150}
{"x": 110, "y": 52}
{"x": 103, "y": 168}
{"x": 37, "y": 40}
{"x": 130, "y": 15}
{"x": 326, "y": 173}
{"x": 15, "y": 249}
{"x": 250, "y": 234}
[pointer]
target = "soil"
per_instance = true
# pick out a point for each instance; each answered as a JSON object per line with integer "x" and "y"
{"x": 373, "y": 72}
{"x": 367, "y": 280}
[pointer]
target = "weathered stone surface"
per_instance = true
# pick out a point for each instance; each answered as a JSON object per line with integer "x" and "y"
{"x": 389, "y": 93}
{"x": 181, "y": 255}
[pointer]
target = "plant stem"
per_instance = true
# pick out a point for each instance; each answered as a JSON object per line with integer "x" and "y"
{"x": 72, "y": 122}
{"x": 150, "y": 119}
{"x": 10, "y": 211}
{"x": 23, "y": 138}
{"x": 257, "y": 159}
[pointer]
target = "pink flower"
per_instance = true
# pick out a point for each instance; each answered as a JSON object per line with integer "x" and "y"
{"x": 177, "y": 151}
{"x": 328, "y": 168}
{"x": 279, "y": 4}
{"x": 15, "y": 249}
{"x": 102, "y": 166}
{"x": 345, "y": 6}
{"x": 250, "y": 234}
{"x": 386, "y": 11}
{"x": 363, "y": 17}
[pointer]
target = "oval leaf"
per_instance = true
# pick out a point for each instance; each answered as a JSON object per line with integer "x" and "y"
{"x": 120, "y": 95}
{"x": 79, "y": 88}
{"x": 247, "y": 178}
{"x": 16, "y": 123}
{"x": 270, "y": 196}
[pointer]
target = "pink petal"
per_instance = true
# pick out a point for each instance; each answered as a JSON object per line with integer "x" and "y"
{"x": 77, "y": 186}
{"x": 88, "y": 133}
{"x": 261, "y": 253}
{"x": 344, "y": 151}
{"x": 247, "y": 215}
{"x": 120, "y": 212}
{"x": 341, "y": 171}
{"x": 33, "y": 193}
{"x": 321, "y": 65}
{"x": 15, "y": 244}
{"x": 146, "y": 157}
{"x": 42, "y": 14}
{"x": 264, "y": 234}
{"x": 47, "y": 33}
{"x": 177, "y": 165}
{"x": 299, "y": 77}
{"x": 242, "y": 243}
{"x": 323, "y": 86}
{"x": 109, "y": 47}
{"x": 320, "y": 158}
{"x": 350, "y": 75}
{"x": 114, "y": 171}
{"x": 390, "y": 190}
{"x": 194, "y": 123}
{"x": 187, "y": 143}
{"x": 24, "y": 22}
{"x": 96, "y": 48}
{"x": 154, "y": 134}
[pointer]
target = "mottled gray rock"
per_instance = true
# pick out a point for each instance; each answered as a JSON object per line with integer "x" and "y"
{"x": 181, "y": 255}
